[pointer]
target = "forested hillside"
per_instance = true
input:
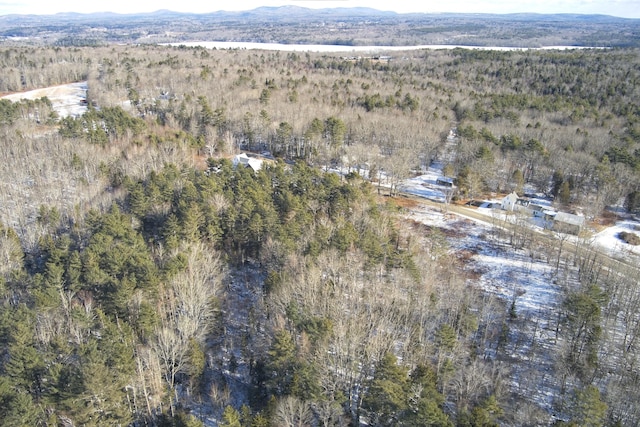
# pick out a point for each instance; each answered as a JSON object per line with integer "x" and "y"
{"x": 145, "y": 280}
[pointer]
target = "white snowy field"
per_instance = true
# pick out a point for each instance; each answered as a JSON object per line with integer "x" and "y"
{"x": 609, "y": 241}
{"x": 502, "y": 271}
{"x": 425, "y": 186}
{"x": 606, "y": 240}
{"x": 67, "y": 100}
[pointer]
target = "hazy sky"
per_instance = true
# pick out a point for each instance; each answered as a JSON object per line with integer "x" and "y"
{"x": 623, "y": 8}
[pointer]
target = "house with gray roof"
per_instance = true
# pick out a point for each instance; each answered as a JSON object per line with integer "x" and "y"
{"x": 564, "y": 222}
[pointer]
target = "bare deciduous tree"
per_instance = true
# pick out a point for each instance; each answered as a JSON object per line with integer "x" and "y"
{"x": 291, "y": 412}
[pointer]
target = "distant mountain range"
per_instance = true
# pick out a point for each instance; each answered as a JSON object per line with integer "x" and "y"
{"x": 296, "y": 12}
{"x": 295, "y": 24}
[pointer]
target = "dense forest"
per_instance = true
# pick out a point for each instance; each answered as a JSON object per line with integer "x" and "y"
{"x": 145, "y": 280}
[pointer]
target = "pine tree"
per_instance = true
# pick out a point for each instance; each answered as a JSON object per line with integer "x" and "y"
{"x": 386, "y": 396}
{"x": 564, "y": 193}
{"x": 583, "y": 317}
{"x": 425, "y": 402}
{"x": 230, "y": 417}
{"x": 17, "y": 408}
{"x": 281, "y": 363}
{"x": 518, "y": 180}
{"x": 25, "y": 364}
{"x": 587, "y": 408}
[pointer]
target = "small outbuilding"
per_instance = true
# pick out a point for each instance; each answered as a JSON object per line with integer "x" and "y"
{"x": 564, "y": 222}
{"x": 445, "y": 181}
{"x": 246, "y": 161}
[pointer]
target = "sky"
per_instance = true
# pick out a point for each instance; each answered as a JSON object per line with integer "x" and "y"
{"x": 621, "y": 8}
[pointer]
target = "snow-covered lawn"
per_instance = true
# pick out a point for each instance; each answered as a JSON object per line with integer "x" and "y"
{"x": 425, "y": 186}
{"x": 609, "y": 241}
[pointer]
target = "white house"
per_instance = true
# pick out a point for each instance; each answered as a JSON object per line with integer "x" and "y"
{"x": 510, "y": 201}
{"x": 246, "y": 161}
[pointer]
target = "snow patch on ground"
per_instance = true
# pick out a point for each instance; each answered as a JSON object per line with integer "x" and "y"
{"x": 609, "y": 241}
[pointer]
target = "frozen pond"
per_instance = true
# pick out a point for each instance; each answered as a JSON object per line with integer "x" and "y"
{"x": 346, "y": 49}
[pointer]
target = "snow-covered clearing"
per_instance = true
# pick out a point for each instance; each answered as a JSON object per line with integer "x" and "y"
{"x": 501, "y": 269}
{"x": 67, "y": 100}
{"x": 609, "y": 241}
{"x": 425, "y": 186}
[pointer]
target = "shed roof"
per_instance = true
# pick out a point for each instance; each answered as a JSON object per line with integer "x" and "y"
{"x": 243, "y": 159}
{"x": 568, "y": 218}
{"x": 445, "y": 179}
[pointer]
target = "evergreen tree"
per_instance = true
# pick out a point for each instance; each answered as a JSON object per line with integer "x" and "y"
{"x": 632, "y": 201}
{"x": 587, "y": 408}
{"x": 17, "y": 408}
{"x": 564, "y": 193}
{"x": 230, "y": 418}
{"x": 482, "y": 415}
{"x": 518, "y": 181}
{"x": 425, "y": 402}
{"x": 386, "y": 396}
{"x": 281, "y": 363}
{"x": 582, "y": 319}
{"x": 335, "y": 130}
{"x": 25, "y": 364}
